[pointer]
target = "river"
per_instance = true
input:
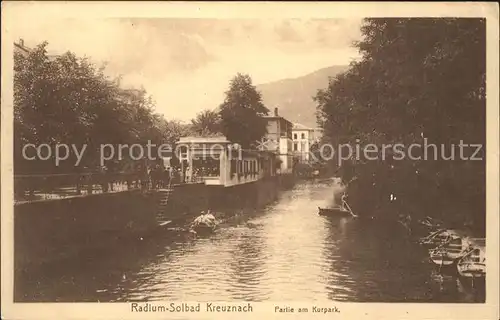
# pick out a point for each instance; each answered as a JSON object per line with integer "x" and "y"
{"x": 285, "y": 251}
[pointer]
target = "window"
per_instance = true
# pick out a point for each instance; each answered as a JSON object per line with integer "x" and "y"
{"x": 206, "y": 167}
{"x": 233, "y": 167}
{"x": 295, "y": 146}
{"x": 183, "y": 152}
{"x": 294, "y": 136}
{"x": 303, "y": 136}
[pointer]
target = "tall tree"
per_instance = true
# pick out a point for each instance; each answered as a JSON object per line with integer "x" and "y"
{"x": 418, "y": 78}
{"x": 207, "y": 122}
{"x": 241, "y": 112}
{"x": 68, "y": 100}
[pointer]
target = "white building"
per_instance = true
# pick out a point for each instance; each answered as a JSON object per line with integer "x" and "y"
{"x": 303, "y": 138}
{"x": 218, "y": 162}
{"x": 279, "y": 140}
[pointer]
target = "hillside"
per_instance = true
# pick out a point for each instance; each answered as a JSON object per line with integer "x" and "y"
{"x": 293, "y": 97}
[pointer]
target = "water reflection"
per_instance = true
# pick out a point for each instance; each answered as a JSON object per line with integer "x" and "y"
{"x": 293, "y": 236}
{"x": 338, "y": 283}
{"x": 246, "y": 268}
{"x": 285, "y": 251}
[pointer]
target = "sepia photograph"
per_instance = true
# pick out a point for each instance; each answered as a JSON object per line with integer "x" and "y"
{"x": 206, "y": 164}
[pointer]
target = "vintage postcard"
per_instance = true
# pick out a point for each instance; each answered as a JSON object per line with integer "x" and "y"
{"x": 206, "y": 160}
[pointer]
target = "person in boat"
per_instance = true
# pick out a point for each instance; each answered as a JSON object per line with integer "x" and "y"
{"x": 210, "y": 216}
{"x": 198, "y": 220}
{"x": 207, "y": 219}
{"x": 343, "y": 200}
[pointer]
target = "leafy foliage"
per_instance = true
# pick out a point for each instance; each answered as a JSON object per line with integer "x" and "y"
{"x": 206, "y": 123}
{"x": 418, "y": 78}
{"x": 68, "y": 100}
{"x": 241, "y": 112}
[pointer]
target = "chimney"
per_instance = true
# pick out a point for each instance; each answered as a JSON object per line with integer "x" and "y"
{"x": 276, "y": 112}
{"x": 21, "y": 42}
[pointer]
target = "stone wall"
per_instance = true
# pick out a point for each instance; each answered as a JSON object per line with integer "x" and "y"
{"x": 57, "y": 229}
{"x": 54, "y": 230}
{"x": 185, "y": 202}
{"x": 253, "y": 194}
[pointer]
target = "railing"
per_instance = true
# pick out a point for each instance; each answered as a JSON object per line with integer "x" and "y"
{"x": 29, "y": 188}
{"x": 195, "y": 179}
{"x": 55, "y": 186}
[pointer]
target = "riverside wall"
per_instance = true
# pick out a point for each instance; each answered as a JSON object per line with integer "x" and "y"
{"x": 55, "y": 230}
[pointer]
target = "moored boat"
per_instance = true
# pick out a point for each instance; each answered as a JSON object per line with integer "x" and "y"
{"x": 437, "y": 238}
{"x": 440, "y": 257}
{"x": 448, "y": 253}
{"x": 473, "y": 263}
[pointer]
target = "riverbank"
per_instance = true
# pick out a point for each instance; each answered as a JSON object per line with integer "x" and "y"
{"x": 281, "y": 251}
{"x": 59, "y": 230}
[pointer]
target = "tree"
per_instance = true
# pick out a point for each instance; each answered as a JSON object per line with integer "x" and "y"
{"x": 241, "y": 112}
{"x": 417, "y": 78}
{"x": 206, "y": 122}
{"x": 60, "y": 101}
{"x": 174, "y": 129}
{"x": 67, "y": 100}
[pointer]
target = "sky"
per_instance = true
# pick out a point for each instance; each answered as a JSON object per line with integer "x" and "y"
{"x": 186, "y": 64}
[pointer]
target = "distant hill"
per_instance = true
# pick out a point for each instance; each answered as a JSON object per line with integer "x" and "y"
{"x": 293, "y": 97}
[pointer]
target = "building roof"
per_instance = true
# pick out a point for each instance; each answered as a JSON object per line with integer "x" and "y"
{"x": 204, "y": 139}
{"x": 22, "y": 47}
{"x": 298, "y": 126}
{"x": 277, "y": 118}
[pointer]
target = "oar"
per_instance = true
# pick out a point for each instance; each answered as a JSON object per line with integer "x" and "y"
{"x": 349, "y": 208}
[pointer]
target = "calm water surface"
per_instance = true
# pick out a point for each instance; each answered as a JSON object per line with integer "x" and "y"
{"x": 285, "y": 251}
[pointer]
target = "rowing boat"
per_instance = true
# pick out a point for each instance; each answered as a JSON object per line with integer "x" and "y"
{"x": 204, "y": 224}
{"x": 203, "y": 229}
{"x": 448, "y": 253}
{"x": 472, "y": 268}
{"x": 338, "y": 211}
{"x": 334, "y": 212}
{"x": 473, "y": 264}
